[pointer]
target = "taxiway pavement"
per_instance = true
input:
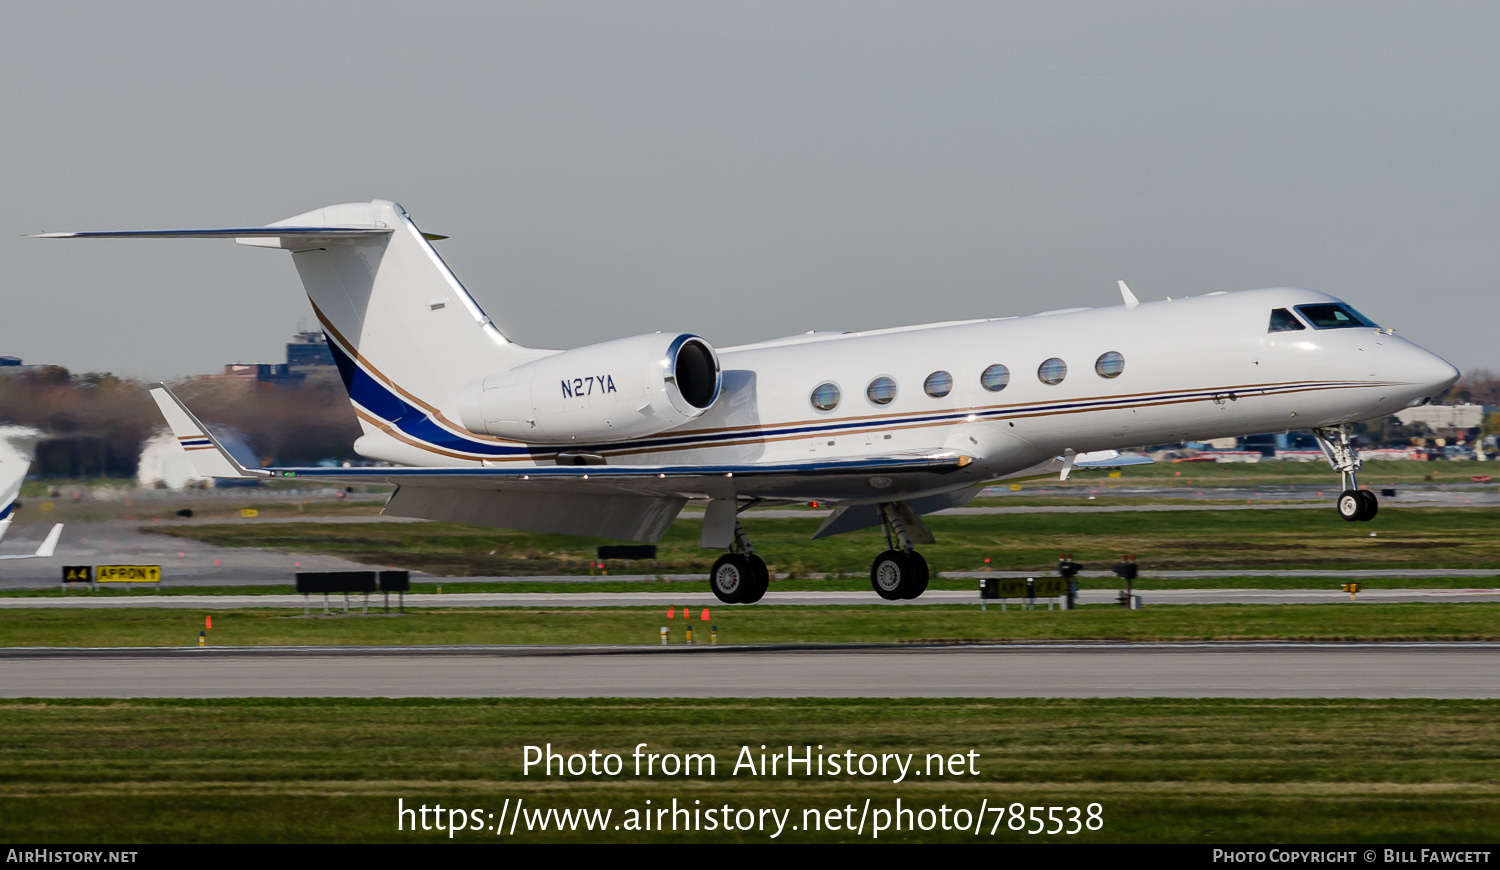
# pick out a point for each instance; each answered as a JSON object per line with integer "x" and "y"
{"x": 1387, "y": 670}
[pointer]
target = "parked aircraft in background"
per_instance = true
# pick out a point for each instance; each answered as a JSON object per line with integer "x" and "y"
{"x": 17, "y": 447}
{"x": 886, "y": 425}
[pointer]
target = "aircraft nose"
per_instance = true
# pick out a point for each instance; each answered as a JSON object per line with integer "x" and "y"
{"x": 1428, "y": 370}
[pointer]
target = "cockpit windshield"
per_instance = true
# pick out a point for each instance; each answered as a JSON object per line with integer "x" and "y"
{"x": 1283, "y": 321}
{"x": 1333, "y": 316}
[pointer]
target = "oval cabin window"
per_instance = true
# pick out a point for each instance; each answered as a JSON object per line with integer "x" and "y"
{"x": 881, "y": 391}
{"x": 825, "y": 397}
{"x": 1110, "y": 364}
{"x": 938, "y": 384}
{"x": 995, "y": 378}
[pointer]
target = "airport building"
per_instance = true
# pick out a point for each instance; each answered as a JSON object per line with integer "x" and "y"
{"x": 307, "y": 353}
{"x": 1446, "y": 419}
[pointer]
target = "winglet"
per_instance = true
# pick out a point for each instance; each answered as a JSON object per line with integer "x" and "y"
{"x": 207, "y": 455}
{"x": 1130, "y": 300}
{"x": 1069, "y": 457}
{"x": 49, "y": 546}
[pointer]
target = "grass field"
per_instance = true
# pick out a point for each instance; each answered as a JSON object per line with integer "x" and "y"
{"x": 1180, "y": 540}
{"x": 1162, "y": 770}
{"x": 873, "y": 624}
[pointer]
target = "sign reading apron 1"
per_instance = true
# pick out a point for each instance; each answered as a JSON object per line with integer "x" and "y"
{"x": 128, "y": 574}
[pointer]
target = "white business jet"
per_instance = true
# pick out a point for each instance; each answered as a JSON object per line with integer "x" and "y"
{"x": 886, "y": 425}
{"x": 17, "y": 447}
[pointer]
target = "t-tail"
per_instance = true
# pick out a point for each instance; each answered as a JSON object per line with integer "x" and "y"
{"x": 407, "y": 337}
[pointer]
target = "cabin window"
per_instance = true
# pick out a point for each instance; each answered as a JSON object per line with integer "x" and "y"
{"x": 938, "y": 384}
{"x": 1283, "y": 321}
{"x": 1052, "y": 371}
{"x": 1109, "y": 365}
{"x": 1333, "y": 316}
{"x": 995, "y": 378}
{"x": 825, "y": 396}
{"x": 881, "y": 391}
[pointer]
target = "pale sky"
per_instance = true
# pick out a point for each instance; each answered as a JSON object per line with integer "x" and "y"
{"x": 748, "y": 170}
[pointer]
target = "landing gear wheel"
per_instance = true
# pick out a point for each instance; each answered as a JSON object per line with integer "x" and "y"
{"x": 731, "y": 578}
{"x": 918, "y": 575}
{"x": 1372, "y": 504}
{"x": 760, "y": 580}
{"x": 892, "y": 575}
{"x": 1351, "y": 505}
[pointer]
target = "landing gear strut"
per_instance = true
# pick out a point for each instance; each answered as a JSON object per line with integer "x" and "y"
{"x": 739, "y": 576}
{"x": 900, "y": 572}
{"x": 1354, "y": 504}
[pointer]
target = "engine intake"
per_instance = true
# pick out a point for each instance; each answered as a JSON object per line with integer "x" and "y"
{"x": 626, "y": 388}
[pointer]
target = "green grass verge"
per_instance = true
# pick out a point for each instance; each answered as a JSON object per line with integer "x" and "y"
{"x": 1179, "y": 540}
{"x": 747, "y": 625}
{"x": 1163, "y": 770}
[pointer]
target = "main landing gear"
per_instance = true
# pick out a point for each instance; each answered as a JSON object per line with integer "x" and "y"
{"x": 739, "y": 576}
{"x": 900, "y": 572}
{"x": 1354, "y": 504}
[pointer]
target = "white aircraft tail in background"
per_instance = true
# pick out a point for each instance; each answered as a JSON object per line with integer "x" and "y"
{"x": 17, "y": 448}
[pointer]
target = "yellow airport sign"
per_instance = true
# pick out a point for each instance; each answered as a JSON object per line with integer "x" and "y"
{"x": 78, "y": 574}
{"x": 128, "y": 574}
{"x": 249, "y": 513}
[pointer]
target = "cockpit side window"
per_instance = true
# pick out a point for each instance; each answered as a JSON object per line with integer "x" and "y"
{"x": 1333, "y": 316}
{"x": 1283, "y": 321}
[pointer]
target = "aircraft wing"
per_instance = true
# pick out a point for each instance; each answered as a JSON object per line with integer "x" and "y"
{"x": 47, "y": 548}
{"x": 634, "y": 502}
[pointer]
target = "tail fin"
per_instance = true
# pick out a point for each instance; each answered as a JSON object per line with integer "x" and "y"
{"x": 405, "y": 333}
{"x": 403, "y": 330}
{"x": 17, "y": 448}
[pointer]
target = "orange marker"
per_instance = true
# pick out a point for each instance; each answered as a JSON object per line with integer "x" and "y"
{"x": 705, "y": 614}
{"x": 670, "y": 611}
{"x": 208, "y": 621}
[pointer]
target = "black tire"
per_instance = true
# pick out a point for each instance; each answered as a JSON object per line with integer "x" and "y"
{"x": 731, "y": 578}
{"x": 1350, "y": 505}
{"x": 919, "y": 575}
{"x": 761, "y": 580}
{"x": 1372, "y": 505}
{"x": 891, "y": 575}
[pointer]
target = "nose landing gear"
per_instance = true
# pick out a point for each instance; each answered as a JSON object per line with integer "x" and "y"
{"x": 900, "y": 572}
{"x": 1354, "y": 504}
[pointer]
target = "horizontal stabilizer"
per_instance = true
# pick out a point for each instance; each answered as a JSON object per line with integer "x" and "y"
{"x": 227, "y": 233}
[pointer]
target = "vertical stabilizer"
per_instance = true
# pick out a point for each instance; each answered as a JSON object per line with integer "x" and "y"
{"x": 405, "y": 333}
{"x": 17, "y": 449}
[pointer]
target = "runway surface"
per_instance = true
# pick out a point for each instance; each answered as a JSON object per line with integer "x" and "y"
{"x": 697, "y": 596}
{"x": 1059, "y": 671}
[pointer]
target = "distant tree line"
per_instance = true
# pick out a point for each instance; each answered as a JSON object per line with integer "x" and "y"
{"x": 1477, "y": 386}
{"x": 96, "y": 423}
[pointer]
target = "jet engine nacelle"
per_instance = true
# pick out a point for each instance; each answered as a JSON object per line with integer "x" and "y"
{"x": 624, "y": 388}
